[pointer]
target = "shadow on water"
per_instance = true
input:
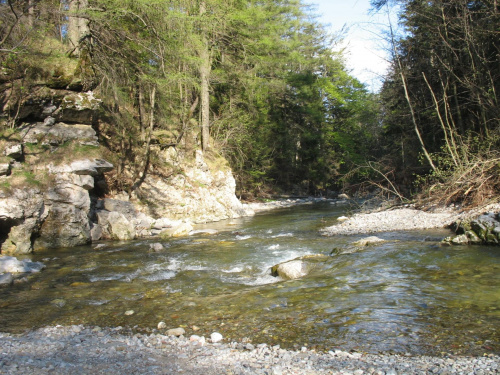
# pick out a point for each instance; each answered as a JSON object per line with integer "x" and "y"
{"x": 404, "y": 295}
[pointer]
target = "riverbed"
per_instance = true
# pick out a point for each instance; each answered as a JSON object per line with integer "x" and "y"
{"x": 405, "y": 295}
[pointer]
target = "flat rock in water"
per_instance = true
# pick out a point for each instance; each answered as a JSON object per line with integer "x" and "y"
{"x": 290, "y": 270}
{"x": 368, "y": 241}
{"x": 203, "y": 231}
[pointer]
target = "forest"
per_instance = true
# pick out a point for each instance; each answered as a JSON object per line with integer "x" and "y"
{"x": 265, "y": 85}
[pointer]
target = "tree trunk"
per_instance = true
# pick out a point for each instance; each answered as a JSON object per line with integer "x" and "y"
{"x": 78, "y": 27}
{"x": 205, "y": 90}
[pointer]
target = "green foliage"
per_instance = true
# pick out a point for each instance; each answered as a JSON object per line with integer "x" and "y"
{"x": 448, "y": 57}
{"x": 281, "y": 105}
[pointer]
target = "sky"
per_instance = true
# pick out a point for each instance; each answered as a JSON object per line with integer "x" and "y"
{"x": 364, "y": 42}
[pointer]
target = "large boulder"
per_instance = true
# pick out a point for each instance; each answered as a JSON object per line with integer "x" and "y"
{"x": 115, "y": 225}
{"x": 21, "y": 214}
{"x": 19, "y": 239}
{"x": 485, "y": 229}
{"x": 297, "y": 268}
{"x": 79, "y": 108}
{"x": 293, "y": 269}
{"x": 53, "y": 133}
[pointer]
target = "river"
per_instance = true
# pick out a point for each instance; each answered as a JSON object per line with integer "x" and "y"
{"x": 406, "y": 295}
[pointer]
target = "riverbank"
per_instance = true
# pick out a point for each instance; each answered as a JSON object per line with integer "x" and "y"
{"x": 94, "y": 350}
{"x": 402, "y": 218}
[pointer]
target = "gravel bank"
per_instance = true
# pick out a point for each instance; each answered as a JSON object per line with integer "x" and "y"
{"x": 393, "y": 220}
{"x": 80, "y": 350}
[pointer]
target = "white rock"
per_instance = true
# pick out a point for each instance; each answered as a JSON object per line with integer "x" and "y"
{"x": 162, "y": 325}
{"x": 291, "y": 270}
{"x": 180, "y": 230}
{"x": 10, "y": 264}
{"x": 216, "y": 337}
{"x": 129, "y": 312}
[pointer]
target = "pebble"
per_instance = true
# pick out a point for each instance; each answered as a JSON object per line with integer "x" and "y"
{"x": 85, "y": 350}
{"x": 176, "y": 332}
{"x": 216, "y": 337}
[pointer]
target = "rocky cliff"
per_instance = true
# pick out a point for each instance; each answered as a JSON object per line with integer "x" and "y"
{"x": 53, "y": 189}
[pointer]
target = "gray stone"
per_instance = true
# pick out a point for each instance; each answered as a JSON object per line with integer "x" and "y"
{"x": 290, "y": 270}
{"x": 4, "y": 169}
{"x": 115, "y": 225}
{"x": 180, "y": 230}
{"x": 48, "y": 110}
{"x": 66, "y": 223}
{"x": 156, "y": 247}
{"x": 79, "y": 108}
{"x": 176, "y": 332}
{"x": 95, "y": 232}
{"x": 89, "y": 167}
{"x": 49, "y": 121}
{"x": 368, "y": 241}
{"x": 14, "y": 151}
{"x": 125, "y": 208}
{"x": 19, "y": 239}
{"x": 58, "y": 133}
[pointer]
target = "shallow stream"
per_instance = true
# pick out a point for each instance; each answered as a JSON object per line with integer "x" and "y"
{"x": 407, "y": 295}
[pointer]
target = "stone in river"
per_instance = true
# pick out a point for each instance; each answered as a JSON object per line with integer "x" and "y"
{"x": 176, "y": 332}
{"x": 216, "y": 337}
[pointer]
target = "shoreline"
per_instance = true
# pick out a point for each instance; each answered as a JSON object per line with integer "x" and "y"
{"x": 402, "y": 219}
{"x": 95, "y": 350}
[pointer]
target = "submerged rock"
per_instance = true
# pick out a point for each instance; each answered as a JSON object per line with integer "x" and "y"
{"x": 290, "y": 270}
{"x": 156, "y": 247}
{"x": 296, "y": 268}
{"x": 9, "y": 264}
{"x": 368, "y": 241}
{"x": 6, "y": 279}
{"x": 180, "y": 230}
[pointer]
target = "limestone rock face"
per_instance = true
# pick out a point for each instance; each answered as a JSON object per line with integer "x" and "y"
{"x": 90, "y": 167}
{"x": 78, "y": 108}
{"x": 53, "y": 133}
{"x": 21, "y": 214}
{"x": 200, "y": 194}
{"x": 14, "y": 151}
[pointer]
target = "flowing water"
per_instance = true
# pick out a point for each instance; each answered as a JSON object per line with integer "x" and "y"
{"x": 406, "y": 295}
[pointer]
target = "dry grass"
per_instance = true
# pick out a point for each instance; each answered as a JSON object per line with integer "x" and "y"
{"x": 472, "y": 184}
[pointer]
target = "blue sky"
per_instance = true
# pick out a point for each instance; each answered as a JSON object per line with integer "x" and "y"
{"x": 365, "y": 46}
